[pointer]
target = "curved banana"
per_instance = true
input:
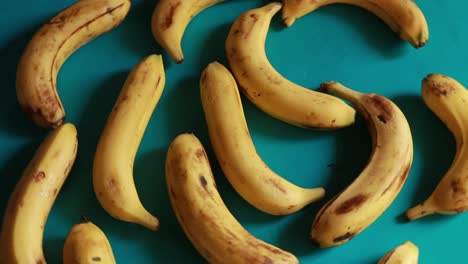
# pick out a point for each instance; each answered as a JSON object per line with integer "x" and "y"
{"x": 403, "y": 17}
{"x": 406, "y": 253}
{"x": 117, "y": 147}
{"x": 87, "y": 244}
{"x": 448, "y": 99}
{"x": 269, "y": 90}
{"x": 372, "y": 192}
{"x": 236, "y": 153}
{"x": 202, "y": 214}
{"x": 170, "y": 19}
{"x": 53, "y": 43}
{"x": 31, "y": 201}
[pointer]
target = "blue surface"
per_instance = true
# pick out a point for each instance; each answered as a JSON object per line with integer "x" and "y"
{"x": 339, "y": 43}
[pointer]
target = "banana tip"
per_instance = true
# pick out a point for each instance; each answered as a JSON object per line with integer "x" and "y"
{"x": 417, "y": 212}
{"x": 84, "y": 219}
{"x": 288, "y": 21}
{"x": 324, "y": 87}
{"x": 420, "y": 44}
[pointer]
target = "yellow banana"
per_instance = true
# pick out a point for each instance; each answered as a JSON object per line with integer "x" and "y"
{"x": 117, "y": 147}
{"x": 236, "y": 153}
{"x": 269, "y": 90}
{"x": 31, "y": 201}
{"x": 403, "y": 17}
{"x": 372, "y": 192}
{"x": 170, "y": 19}
{"x": 87, "y": 244}
{"x": 448, "y": 99}
{"x": 406, "y": 253}
{"x": 202, "y": 214}
{"x": 52, "y": 44}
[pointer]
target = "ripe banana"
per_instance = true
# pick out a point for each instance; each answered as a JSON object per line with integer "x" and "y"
{"x": 403, "y": 17}
{"x": 202, "y": 214}
{"x": 31, "y": 201}
{"x": 372, "y": 192}
{"x": 406, "y": 253}
{"x": 117, "y": 147}
{"x": 52, "y": 44}
{"x": 87, "y": 244}
{"x": 170, "y": 19}
{"x": 269, "y": 90}
{"x": 236, "y": 153}
{"x": 448, "y": 99}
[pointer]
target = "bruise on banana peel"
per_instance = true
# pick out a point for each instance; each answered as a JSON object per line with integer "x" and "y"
{"x": 170, "y": 19}
{"x": 269, "y": 90}
{"x": 371, "y": 193}
{"x": 448, "y": 99}
{"x": 202, "y": 214}
{"x": 31, "y": 201}
{"x": 404, "y": 17}
{"x": 52, "y": 44}
{"x": 236, "y": 153}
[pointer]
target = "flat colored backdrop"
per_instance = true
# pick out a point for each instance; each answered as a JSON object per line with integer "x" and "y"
{"x": 341, "y": 43}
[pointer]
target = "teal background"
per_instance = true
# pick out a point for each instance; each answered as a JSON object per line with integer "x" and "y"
{"x": 341, "y": 43}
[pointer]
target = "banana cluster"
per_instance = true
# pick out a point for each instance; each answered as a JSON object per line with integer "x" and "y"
{"x": 194, "y": 196}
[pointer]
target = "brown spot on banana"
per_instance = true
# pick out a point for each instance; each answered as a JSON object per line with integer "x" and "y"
{"x": 401, "y": 179}
{"x": 96, "y": 259}
{"x": 347, "y": 236}
{"x": 200, "y": 153}
{"x": 385, "y": 107}
{"x": 405, "y": 173}
{"x": 38, "y": 177}
{"x": 438, "y": 88}
{"x": 457, "y": 187}
{"x": 276, "y": 185}
{"x": 203, "y": 182}
{"x": 37, "y": 91}
{"x": 170, "y": 16}
{"x": 173, "y": 194}
{"x": 351, "y": 204}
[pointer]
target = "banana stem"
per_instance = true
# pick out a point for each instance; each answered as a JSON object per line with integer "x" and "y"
{"x": 338, "y": 89}
{"x": 84, "y": 219}
{"x": 418, "y": 211}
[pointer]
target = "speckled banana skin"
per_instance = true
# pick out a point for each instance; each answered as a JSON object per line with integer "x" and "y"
{"x": 372, "y": 192}
{"x": 32, "y": 199}
{"x": 120, "y": 139}
{"x": 236, "y": 152}
{"x": 51, "y": 45}
{"x": 202, "y": 214}
{"x": 448, "y": 99}
{"x": 403, "y": 16}
{"x": 268, "y": 89}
